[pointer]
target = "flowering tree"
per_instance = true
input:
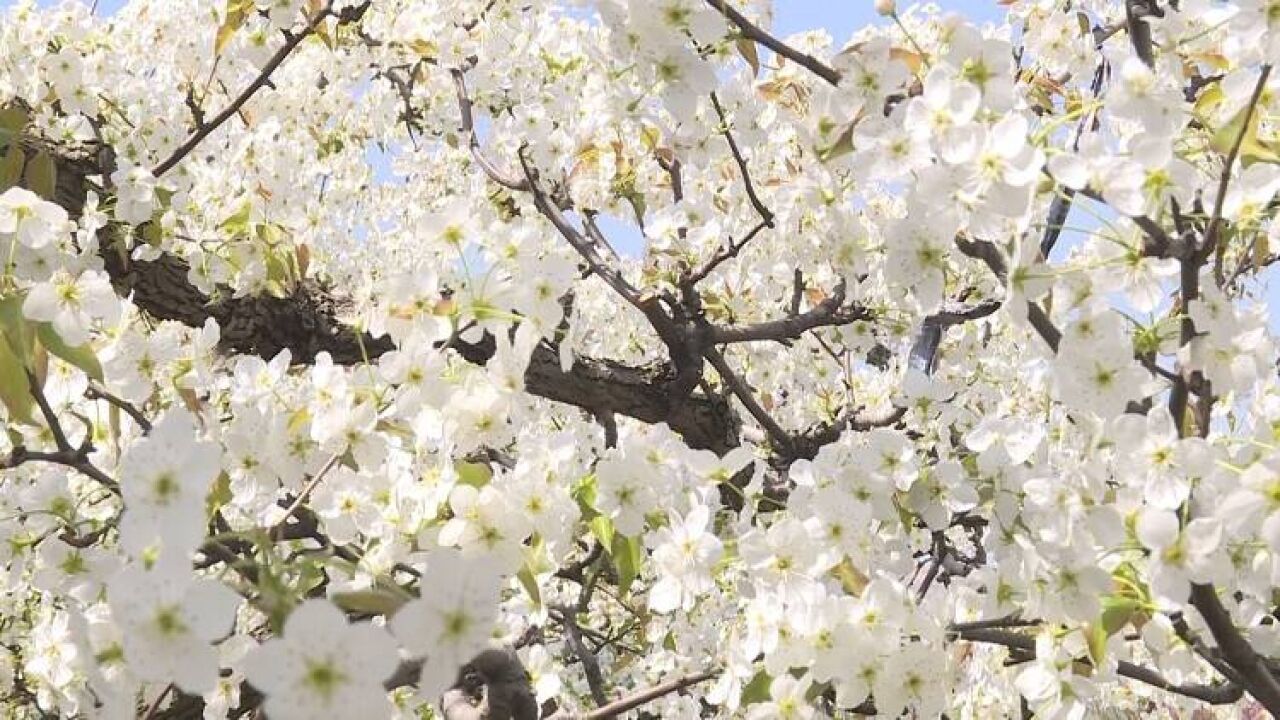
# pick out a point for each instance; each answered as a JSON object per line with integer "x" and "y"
{"x": 941, "y": 382}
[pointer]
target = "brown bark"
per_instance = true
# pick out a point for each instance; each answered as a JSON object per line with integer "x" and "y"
{"x": 308, "y": 322}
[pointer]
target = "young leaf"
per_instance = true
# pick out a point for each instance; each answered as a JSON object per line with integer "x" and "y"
{"x": 602, "y": 528}
{"x": 14, "y": 393}
{"x": 530, "y": 584}
{"x": 747, "y": 49}
{"x": 477, "y": 475}
{"x": 42, "y": 175}
{"x": 81, "y": 356}
{"x": 1252, "y": 148}
{"x": 15, "y": 331}
{"x": 374, "y": 601}
{"x": 237, "y": 13}
{"x": 13, "y": 119}
{"x": 628, "y": 556}
{"x": 1096, "y": 639}
{"x": 11, "y": 166}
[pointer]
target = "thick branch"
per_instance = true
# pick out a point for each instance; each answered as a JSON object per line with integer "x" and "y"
{"x": 1236, "y": 650}
{"x": 307, "y": 322}
{"x": 831, "y": 311}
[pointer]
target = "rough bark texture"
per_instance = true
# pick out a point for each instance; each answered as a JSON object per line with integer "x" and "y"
{"x": 309, "y": 322}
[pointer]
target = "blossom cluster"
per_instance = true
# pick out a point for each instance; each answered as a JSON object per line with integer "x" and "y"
{"x": 929, "y": 370}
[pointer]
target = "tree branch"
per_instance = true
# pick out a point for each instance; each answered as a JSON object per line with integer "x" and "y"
{"x": 1237, "y": 651}
{"x": 831, "y": 311}
{"x": 766, "y": 215}
{"x": 473, "y": 142}
{"x": 636, "y": 699}
{"x": 292, "y": 41}
{"x": 739, "y": 388}
{"x": 989, "y": 254}
{"x": 753, "y": 32}
{"x": 1223, "y": 694}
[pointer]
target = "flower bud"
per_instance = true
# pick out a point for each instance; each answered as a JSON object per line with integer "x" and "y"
{"x": 886, "y": 7}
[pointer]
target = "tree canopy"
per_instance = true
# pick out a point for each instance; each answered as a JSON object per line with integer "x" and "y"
{"x": 700, "y": 370}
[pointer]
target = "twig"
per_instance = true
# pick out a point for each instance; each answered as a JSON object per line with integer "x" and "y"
{"x": 635, "y": 700}
{"x": 753, "y": 32}
{"x": 743, "y": 393}
{"x": 1224, "y": 694}
{"x": 76, "y": 458}
{"x": 935, "y": 565}
{"x": 830, "y": 312}
{"x": 468, "y": 126}
{"x": 292, "y": 40}
{"x": 989, "y": 254}
{"x": 97, "y": 392}
{"x": 305, "y": 495}
{"x": 155, "y": 704}
{"x": 1235, "y": 649}
{"x": 590, "y": 664}
{"x": 766, "y": 215}
{"x": 726, "y": 253}
{"x": 1136, "y": 13}
{"x": 1008, "y": 621}
{"x": 1215, "y": 220}
{"x": 585, "y": 247}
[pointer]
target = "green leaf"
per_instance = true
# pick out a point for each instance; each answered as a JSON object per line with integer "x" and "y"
{"x": 1117, "y": 611}
{"x": 477, "y": 475}
{"x": 219, "y": 495}
{"x": 277, "y": 276}
{"x": 628, "y": 556}
{"x": 11, "y": 167}
{"x": 152, "y": 233}
{"x": 238, "y": 222}
{"x": 530, "y": 584}
{"x": 13, "y": 119}
{"x": 852, "y": 580}
{"x": 842, "y": 145}
{"x": 81, "y": 356}
{"x": 14, "y": 392}
{"x": 584, "y": 492}
{"x": 15, "y": 330}
{"x": 17, "y": 344}
{"x": 602, "y": 528}
{"x": 237, "y": 13}
{"x": 1096, "y": 639}
{"x": 42, "y": 175}
{"x": 374, "y": 601}
{"x": 757, "y": 691}
{"x": 747, "y": 49}
{"x": 1252, "y": 149}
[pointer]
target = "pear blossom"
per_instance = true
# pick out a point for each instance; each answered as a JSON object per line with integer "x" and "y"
{"x": 169, "y": 621}
{"x": 35, "y": 222}
{"x": 685, "y": 553}
{"x": 72, "y": 304}
{"x": 322, "y": 666}
{"x": 449, "y": 623}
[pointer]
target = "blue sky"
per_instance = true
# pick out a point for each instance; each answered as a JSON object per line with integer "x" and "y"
{"x": 840, "y": 18}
